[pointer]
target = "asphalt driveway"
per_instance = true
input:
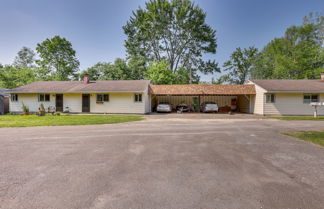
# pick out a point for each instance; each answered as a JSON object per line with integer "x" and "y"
{"x": 162, "y": 163}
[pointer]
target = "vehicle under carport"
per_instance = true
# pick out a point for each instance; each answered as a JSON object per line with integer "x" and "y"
{"x": 228, "y": 97}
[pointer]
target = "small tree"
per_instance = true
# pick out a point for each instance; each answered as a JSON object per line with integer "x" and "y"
{"x": 41, "y": 109}
{"x": 25, "y": 58}
{"x": 239, "y": 66}
{"x": 160, "y": 73}
{"x": 25, "y": 109}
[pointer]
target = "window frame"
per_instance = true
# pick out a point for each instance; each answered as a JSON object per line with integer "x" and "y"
{"x": 310, "y": 100}
{"x": 14, "y": 98}
{"x": 44, "y": 97}
{"x": 138, "y": 97}
{"x": 272, "y": 98}
{"x": 103, "y": 97}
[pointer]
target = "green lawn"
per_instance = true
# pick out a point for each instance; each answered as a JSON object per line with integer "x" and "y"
{"x": 63, "y": 120}
{"x": 299, "y": 117}
{"x": 316, "y": 137}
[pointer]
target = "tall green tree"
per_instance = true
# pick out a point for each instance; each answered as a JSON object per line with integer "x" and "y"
{"x": 57, "y": 59}
{"x": 299, "y": 54}
{"x": 25, "y": 58}
{"x": 239, "y": 66}
{"x": 175, "y": 31}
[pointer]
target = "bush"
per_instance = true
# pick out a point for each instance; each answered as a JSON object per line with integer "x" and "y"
{"x": 25, "y": 108}
{"x": 41, "y": 107}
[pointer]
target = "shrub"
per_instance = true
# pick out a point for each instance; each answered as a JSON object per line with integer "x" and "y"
{"x": 25, "y": 108}
{"x": 41, "y": 107}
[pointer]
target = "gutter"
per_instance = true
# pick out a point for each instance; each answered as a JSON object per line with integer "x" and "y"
{"x": 74, "y": 92}
{"x": 316, "y": 91}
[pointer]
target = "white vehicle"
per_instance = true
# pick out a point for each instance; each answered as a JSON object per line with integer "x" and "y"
{"x": 209, "y": 107}
{"x": 164, "y": 107}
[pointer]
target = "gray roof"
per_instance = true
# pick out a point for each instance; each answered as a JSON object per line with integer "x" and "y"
{"x": 291, "y": 85}
{"x": 80, "y": 87}
{"x": 3, "y": 92}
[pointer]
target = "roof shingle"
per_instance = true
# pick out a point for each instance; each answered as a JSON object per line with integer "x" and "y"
{"x": 291, "y": 85}
{"x": 79, "y": 86}
{"x": 202, "y": 89}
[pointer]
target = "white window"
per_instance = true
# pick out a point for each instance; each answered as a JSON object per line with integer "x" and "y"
{"x": 14, "y": 97}
{"x": 43, "y": 97}
{"x": 270, "y": 98}
{"x": 102, "y": 97}
{"x": 308, "y": 98}
{"x": 138, "y": 97}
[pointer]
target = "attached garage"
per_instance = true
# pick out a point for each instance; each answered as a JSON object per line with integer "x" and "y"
{"x": 228, "y": 97}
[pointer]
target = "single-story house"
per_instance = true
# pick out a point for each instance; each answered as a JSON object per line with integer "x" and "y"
{"x": 122, "y": 96}
{"x": 288, "y": 97}
{"x": 264, "y": 97}
{"x": 4, "y": 101}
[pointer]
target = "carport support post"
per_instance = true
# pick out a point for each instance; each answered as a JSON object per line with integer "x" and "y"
{"x": 199, "y": 104}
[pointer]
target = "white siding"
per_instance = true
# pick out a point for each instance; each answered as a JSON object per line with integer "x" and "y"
{"x": 291, "y": 104}
{"x": 252, "y": 103}
{"x": 118, "y": 103}
{"x": 258, "y": 105}
{"x": 31, "y": 101}
{"x": 147, "y": 100}
{"x": 73, "y": 102}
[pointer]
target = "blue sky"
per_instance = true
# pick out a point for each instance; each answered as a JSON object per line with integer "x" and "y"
{"x": 94, "y": 27}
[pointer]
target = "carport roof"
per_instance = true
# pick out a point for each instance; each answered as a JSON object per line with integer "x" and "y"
{"x": 203, "y": 89}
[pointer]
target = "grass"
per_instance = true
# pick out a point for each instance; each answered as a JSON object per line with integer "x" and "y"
{"x": 299, "y": 117}
{"x": 63, "y": 120}
{"x": 316, "y": 137}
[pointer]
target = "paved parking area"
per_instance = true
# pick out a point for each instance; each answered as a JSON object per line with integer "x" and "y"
{"x": 174, "y": 115}
{"x": 158, "y": 163}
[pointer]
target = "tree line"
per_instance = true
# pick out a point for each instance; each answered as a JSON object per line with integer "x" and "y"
{"x": 299, "y": 54}
{"x": 166, "y": 43}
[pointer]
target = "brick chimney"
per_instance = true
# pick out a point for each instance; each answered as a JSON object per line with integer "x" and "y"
{"x": 322, "y": 76}
{"x": 86, "y": 79}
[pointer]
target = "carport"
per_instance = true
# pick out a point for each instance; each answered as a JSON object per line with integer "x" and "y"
{"x": 228, "y": 97}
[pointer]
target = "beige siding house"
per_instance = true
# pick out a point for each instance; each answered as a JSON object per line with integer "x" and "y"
{"x": 288, "y": 97}
{"x": 127, "y": 96}
{"x": 263, "y": 97}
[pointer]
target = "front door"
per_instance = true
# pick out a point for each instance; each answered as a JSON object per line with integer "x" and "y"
{"x": 59, "y": 102}
{"x": 85, "y": 102}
